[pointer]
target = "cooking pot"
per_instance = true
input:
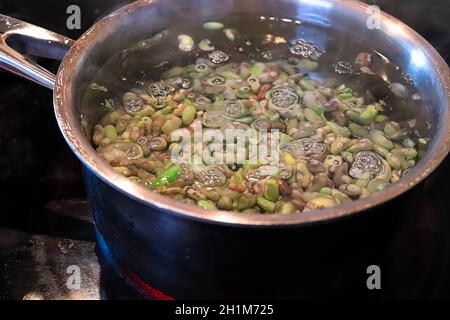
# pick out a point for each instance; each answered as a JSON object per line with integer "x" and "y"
{"x": 170, "y": 249}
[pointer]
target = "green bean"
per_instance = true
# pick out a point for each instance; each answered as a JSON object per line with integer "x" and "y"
{"x": 157, "y": 143}
{"x": 394, "y": 160}
{"x": 237, "y": 182}
{"x": 363, "y": 180}
{"x": 211, "y": 194}
{"x": 334, "y": 145}
{"x": 185, "y": 42}
{"x": 381, "y": 151}
{"x": 321, "y": 203}
{"x": 307, "y": 84}
{"x": 189, "y": 114}
{"x": 355, "y": 116}
{"x": 168, "y": 176}
{"x": 358, "y": 131}
{"x": 257, "y": 69}
{"x": 377, "y": 185}
{"x": 304, "y": 176}
{"x": 351, "y": 190}
{"x": 396, "y": 175}
{"x": 306, "y": 131}
{"x": 213, "y": 25}
{"x": 171, "y": 190}
{"x": 271, "y": 191}
{"x": 391, "y": 128}
{"x": 399, "y": 135}
{"x": 313, "y": 118}
{"x": 254, "y": 84}
{"x": 283, "y": 207}
{"x": 378, "y": 137}
{"x": 338, "y": 145}
{"x": 345, "y": 96}
{"x": 97, "y": 135}
{"x": 230, "y": 34}
{"x": 339, "y": 130}
{"x": 340, "y": 175}
{"x": 408, "y": 143}
{"x": 409, "y": 153}
{"x": 313, "y": 99}
{"x": 325, "y": 191}
{"x": 124, "y": 171}
{"x": 319, "y": 182}
{"x": 381, "y": 118}
{"x": 369, "y": 113}
{"x": 361, "y": 145}
{"x": 173, "y": 72}
{"x": 135, "y": 133}
{"x": 110, "y": 132}
{"x": 407, "y": 164}
{"x": 225, "y": 203}
{"x": 172, "y": 123}
{"x": 246, "y": 201}
{"x": 347, "y": 156}
{"x": 307, "y": 64}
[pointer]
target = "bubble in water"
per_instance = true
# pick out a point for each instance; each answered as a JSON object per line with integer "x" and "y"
{"x": 305, "y": 49}
{"x": 232, "y": 108}
{"x": 416, "y": 96}
{"x": 343, "y": 67}
{"x": 134, "y": 152}
{"x": 366, "y": 161}
{"x": 134, "y": 105}
{"x": 283, "y": 97}
{"x": 139, "y": 83}
{"x": 240, "y": 49}
{"x": 268, "y": 55}
{"x": 185, "y": 83}
{"x": 123, "y": 78}
{"x": 202, "y": 100}
{"x": 218, "y": 57}
{"x": 201, "y": 67}
{"x": 248, "y": 43}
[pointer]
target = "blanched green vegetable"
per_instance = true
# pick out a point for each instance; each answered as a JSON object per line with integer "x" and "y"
{"x": 168, "y": 176}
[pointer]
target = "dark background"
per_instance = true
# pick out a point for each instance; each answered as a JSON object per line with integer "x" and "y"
{"x": 44, "y": 223}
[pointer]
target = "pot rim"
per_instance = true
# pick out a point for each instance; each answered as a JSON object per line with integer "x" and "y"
{"x": 68, "y": 121}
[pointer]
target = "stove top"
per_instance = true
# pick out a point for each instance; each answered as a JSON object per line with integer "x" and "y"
{"x": 47, "y": 237}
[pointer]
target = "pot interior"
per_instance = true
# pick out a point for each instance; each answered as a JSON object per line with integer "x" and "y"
{"x": 114, "y": 62}
{"x": 339, "y": 28}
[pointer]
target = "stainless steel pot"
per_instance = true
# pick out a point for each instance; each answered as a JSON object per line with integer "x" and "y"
{"x": 175, "y": 246}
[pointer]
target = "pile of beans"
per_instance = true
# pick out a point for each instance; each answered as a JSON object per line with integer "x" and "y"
{"x": 334, "y": 147}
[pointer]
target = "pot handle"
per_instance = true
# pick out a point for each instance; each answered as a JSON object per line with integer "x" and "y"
{"x": 44, "y": 43}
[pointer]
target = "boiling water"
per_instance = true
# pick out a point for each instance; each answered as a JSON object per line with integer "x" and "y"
{"x": 337, "y": 141}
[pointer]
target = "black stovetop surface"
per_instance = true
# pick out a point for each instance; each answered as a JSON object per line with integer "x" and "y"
{"x": 45, "y": 225}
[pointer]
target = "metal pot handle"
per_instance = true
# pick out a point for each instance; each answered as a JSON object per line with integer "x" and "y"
{"x": 45, "y": 44}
